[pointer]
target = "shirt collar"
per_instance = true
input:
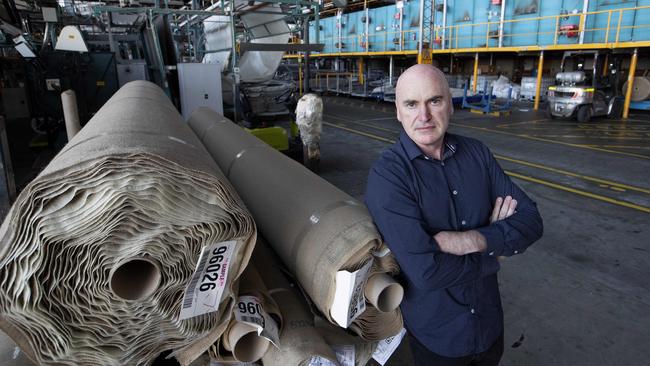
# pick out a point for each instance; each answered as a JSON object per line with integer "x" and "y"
{"x": 413, "y": 151}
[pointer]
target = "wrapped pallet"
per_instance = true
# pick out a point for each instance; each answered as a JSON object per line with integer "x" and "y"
{"x": 325, "y": 238}
{"x": 126, "y": 245}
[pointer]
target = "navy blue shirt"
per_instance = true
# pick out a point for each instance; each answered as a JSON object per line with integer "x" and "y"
{"x": 451, "y": 303}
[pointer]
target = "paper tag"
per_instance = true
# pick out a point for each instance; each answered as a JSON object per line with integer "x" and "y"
{"x": 219, "y": 363}
{"x": 204, "y": 291}
{"x": 320, "y": 361}
{"x": 399, "y": 4}
{"x": 349, "y": 301}
{"x": 344, "y": 355}
{"x": 249, "y": 310}
{"x": 386, "y": 347}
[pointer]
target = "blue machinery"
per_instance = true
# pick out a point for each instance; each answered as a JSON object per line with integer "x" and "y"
{"x": 486, "y": 104}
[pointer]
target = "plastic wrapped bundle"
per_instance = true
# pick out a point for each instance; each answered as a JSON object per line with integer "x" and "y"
{"x": 316, "y": 229}
{"x": 309, "y": 118}
{"x": 98, "y": 250}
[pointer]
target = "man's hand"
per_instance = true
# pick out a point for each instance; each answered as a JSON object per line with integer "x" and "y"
{"x": 503, "y": 208}
{"x": 460, "y": 242}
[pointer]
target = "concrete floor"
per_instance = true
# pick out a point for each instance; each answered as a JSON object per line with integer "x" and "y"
{"x": 580, "y": 295}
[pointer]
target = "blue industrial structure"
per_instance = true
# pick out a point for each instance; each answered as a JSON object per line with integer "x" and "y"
{"x": 462, "y": 24}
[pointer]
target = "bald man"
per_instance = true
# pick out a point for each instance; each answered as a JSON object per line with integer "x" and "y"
{"x": 447, "y": 211}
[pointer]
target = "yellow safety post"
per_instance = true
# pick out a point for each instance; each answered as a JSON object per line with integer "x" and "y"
{"x": 538, "y": 87}
{"x": 360, "y": 66}
{"x": 426, "y": 56}
{"x": 300, "y": 75}
{"x": 630, "y": 85}
{"x": 475, "y": 73}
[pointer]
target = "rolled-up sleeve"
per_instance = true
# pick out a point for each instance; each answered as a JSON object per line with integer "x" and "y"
{"x": 514, "y": 234}
{"x": 399, "y": 220}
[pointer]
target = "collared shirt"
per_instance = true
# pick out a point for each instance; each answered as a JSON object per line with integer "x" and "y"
{"x": 452, "y": 303}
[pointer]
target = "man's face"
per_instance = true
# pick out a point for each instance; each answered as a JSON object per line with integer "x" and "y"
{"x": 424, "y": 107}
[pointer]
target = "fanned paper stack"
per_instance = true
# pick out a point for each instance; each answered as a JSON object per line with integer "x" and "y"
{"x": 325, "y": 238}
{"x": 97, "y": 252}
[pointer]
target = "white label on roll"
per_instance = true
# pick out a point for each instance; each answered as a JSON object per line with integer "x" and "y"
{"x": 214, "y": 362}
{"x": 386, "y": 347}
{"x": 204, "y": 291}
{"x": 344, "y": 355}
{"x": 349, "y": 301}
{"x": 249, "y": 310}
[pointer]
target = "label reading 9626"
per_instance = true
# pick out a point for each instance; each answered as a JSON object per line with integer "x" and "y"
{"x": 203, "y": 293}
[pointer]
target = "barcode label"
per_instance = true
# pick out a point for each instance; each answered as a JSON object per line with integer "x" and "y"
{"x": 250, "y": 319}
{"x": 250, "y": 310}
{"x": 386, "y": 347}
{"x": 203, "y": 292}
{"x": 189, "y": 298}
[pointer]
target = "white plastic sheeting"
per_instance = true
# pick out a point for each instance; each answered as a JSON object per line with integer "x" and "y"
{"x": 218, "y": 35}
{"x": 254, "y": 66}
{"x": 309, "y": 118}
{"x": 501, "y": 88}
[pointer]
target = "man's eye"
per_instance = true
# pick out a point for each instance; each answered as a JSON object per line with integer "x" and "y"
{"x": 435, "y": 101}
{"x": 410, "y": 105}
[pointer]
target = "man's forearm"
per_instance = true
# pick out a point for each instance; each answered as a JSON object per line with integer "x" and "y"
{"x": 460, "y": 242}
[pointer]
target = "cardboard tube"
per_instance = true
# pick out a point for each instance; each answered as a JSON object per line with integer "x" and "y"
{"x": 245, "y": 344}
{"x": 383, "y": 292}
{"x": 70, "y": 113}
{"x": 135, "y": 278}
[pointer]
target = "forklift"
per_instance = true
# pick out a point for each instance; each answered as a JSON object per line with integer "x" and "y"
{"x": 585, "y": 93}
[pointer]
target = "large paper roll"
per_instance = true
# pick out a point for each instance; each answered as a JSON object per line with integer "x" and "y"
{"x": 315, "y": 228}
{"x": 70, "y": 113}
{"x": 640, "y": 88}
{"x": 98, "y": 250}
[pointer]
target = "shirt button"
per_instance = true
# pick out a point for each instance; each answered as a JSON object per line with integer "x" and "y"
{"x": 455, "y": 192}
{"x": 516, "y": 251}
{"x": 463, "y": 222}
{"x": 426, "y": 157}
{"x": 442, "y": 163}
{"x": 491, "y": 253}
{"x": 472, "y": 311}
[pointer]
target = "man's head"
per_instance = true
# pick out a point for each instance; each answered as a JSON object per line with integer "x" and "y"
{"x": 424, "y": 106}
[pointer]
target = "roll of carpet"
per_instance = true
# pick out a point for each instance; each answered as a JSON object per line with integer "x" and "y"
{"x": 257, "y": 323}
{"x": 344, "y": 344}
{"x": 315, "y": 228}
{"x": 97, "y": 252}
{"x": 300, "y": 341}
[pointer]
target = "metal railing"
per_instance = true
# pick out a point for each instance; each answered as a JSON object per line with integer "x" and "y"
{"x": 398, "y": 40}
{"x": 596, "y": 27}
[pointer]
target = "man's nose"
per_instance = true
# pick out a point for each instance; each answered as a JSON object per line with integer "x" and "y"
{"x": 423, "y": 113}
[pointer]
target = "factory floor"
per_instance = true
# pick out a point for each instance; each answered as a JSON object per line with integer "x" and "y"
{"x": 579, "y": 296}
